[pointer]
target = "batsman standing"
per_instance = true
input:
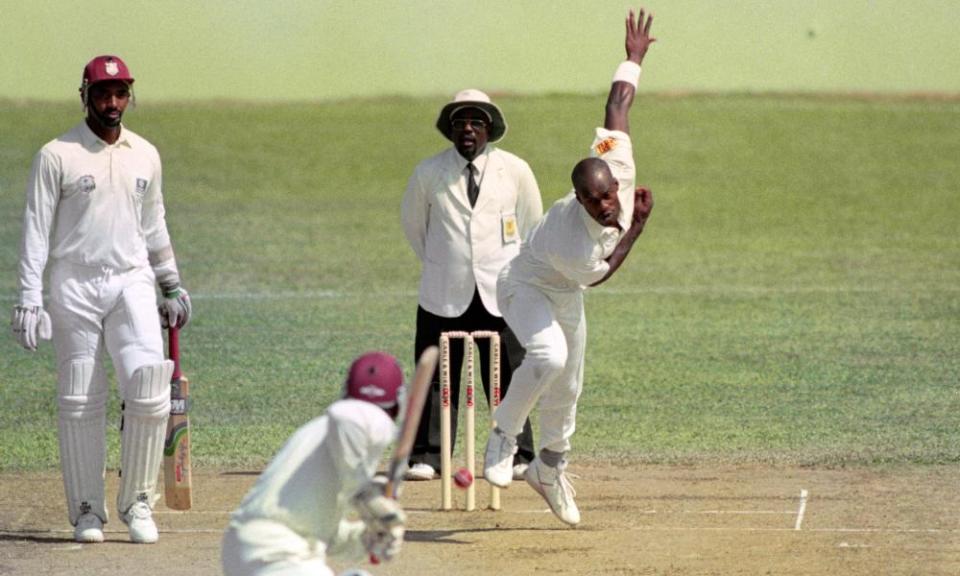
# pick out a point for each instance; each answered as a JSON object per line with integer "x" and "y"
{"x": 465, "y": 212}
{"x": 581, "y": 241}
{"x": 296, "y": 513}
{"x": 94, "y": 208}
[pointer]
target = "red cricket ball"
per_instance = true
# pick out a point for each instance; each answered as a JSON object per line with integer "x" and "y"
{"x": 463, "y": 478}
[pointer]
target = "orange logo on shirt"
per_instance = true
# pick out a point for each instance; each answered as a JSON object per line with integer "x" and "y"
{"x": 605, "y": 145}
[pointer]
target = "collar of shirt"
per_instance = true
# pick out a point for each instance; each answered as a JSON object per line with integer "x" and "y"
{"x": 480, "y": 161}
{"x": 90, "y": 138}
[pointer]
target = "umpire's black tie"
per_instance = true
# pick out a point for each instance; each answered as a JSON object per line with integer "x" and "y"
{"x": 473, "y": 189}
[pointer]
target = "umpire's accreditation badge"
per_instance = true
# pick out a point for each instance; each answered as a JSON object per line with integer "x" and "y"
{"x": 141, "y": 186}
{"x": 509, "y": 226}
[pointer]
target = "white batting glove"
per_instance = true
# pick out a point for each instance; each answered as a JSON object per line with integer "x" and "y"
{"x": 175, "y": 308}
{"x": 30, "y": 324}
{"x": 383, "y": 542}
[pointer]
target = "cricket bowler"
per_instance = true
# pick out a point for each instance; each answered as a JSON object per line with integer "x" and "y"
{"x": 580, "y": 242}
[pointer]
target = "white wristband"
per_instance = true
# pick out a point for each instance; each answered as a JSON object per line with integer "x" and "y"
{"x": 167, "y": 275}
{"x": 628, "y": 72}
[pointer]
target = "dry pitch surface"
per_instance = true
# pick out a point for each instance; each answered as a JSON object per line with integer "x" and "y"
{"x": 641, "y": 520}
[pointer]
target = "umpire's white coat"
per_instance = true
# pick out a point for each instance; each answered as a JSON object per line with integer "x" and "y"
{"x": 462, "y": 247}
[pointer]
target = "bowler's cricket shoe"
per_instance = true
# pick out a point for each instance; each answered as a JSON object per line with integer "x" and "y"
{"x": 498, "y": 459}
{"x": 140, "y": 524}
{"x": 556, "y": 489}
{"x": 89, "y": 528}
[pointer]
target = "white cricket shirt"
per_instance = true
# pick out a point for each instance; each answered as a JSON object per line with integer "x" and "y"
{"x": 91, "y": 203}
{"x": 567, "y": 250}
{"x": 309, "y": 483}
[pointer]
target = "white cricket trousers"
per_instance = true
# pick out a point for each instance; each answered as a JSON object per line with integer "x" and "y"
{"x": 269, "y": 548}
{"x": 96, "y": 310}
{"x": 553, "y": 330}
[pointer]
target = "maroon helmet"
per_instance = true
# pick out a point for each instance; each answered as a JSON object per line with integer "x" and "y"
{"x": 103, "y": 68}
{"x": 376, "y": 377}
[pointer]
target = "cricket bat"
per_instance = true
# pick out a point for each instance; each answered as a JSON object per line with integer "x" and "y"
{"x": 178, "y": 485}
{"x": 419, "y": 390}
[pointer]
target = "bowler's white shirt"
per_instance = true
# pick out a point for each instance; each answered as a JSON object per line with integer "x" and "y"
{"x": 91, "y": 203}
{"x": 567, "y": 250}
{"x": 309, "y": 483}
{"x": 463, "y": 248}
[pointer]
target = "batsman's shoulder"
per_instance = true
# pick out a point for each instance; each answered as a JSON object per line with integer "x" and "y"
{"x": 140, "y": 143}
{"x": 362, "y": 418}
{"x": 352, "y": 410}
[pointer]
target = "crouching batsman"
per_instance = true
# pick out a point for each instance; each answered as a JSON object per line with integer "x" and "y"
{"x": 580, "y": 242}
{"x": 299, "y": 510}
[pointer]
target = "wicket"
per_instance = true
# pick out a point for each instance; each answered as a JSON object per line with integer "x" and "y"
{"x": 446, "y": 448}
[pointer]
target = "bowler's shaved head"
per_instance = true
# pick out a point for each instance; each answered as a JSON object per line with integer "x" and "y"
{"x": 591, "y": 174}
{"x": 596, "y": 190}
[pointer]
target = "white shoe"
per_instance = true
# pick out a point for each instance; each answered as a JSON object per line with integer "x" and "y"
{"x": 140, "y": 524}
{"x": 556, "y": 489}
{"x": 89, "y": 528}
{"x": 519, "y": 470}
{"x": 420, "y": 471}
{"x": 498, "y": 459}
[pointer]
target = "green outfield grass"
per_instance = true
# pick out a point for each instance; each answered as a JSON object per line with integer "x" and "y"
{"x": 795, "y": 299}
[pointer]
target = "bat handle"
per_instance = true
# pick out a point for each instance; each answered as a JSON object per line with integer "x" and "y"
{"x": 173, "y": 343}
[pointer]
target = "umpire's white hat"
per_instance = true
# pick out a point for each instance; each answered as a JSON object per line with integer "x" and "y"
{"x": 472, "y": 98}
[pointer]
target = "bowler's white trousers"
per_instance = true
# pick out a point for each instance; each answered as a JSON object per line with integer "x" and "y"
{"x": 96, "y": 309}
{"x": 552, "y": 327}
{"x": 269, "y": 548}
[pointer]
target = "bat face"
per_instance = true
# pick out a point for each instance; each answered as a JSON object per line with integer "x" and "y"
{"x": 178, "y": 484}
{"x": 417, "y": 397}
{"x": 419, "y": 389}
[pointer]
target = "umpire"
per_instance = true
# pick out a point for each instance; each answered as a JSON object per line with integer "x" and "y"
{"x": 465, "y": 212}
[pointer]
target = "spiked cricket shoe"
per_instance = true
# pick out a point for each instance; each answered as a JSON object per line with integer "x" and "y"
{"x": 498, "y": 459}
{"x": 556, "y": 489}
{"x": 140, "y": 524}
{"x": 89, "y": 528}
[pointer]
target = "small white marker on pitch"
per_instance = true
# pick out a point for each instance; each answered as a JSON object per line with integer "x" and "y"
{"x": 802, "y": 510}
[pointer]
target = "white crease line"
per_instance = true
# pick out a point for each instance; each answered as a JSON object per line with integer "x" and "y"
{"x": 887, "y": 530}
{"x": 746, "y": 512}
{"x": 514, "y": 511}
{"x": 190, "y": 512}
{"x": 808, "y": 531}
{"x": 802, "y": 510}
{"x": 718, "y": 512}
{"x": 26, "y": 531}
{"x": 455, "y": 509}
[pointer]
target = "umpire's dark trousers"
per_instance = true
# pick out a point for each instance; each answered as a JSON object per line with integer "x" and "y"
{"x": 426, "y": 448}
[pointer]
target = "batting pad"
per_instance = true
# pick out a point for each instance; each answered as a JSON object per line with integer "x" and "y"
{"x": 146, "y": 409}
{"x": 83, "y": 410}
